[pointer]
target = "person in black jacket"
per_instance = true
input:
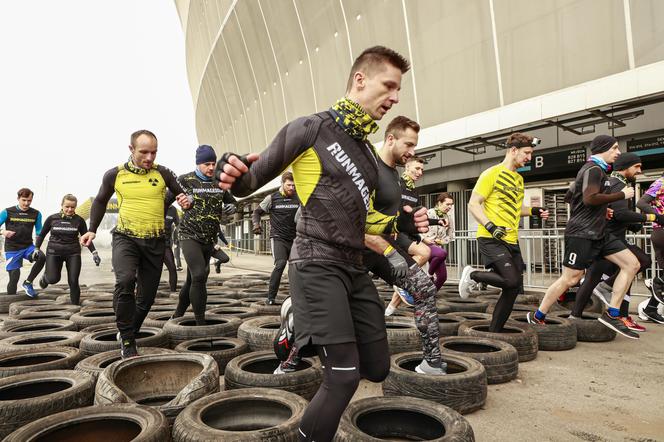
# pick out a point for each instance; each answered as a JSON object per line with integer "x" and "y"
{"x": 63, "y": 247}
{"x": 626, "y": 168}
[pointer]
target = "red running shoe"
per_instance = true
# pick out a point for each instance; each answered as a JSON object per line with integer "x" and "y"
{"x": 629, "y": 322}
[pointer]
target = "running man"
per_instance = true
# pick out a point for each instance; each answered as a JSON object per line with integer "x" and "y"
{"x": 385, "y": 252}
{"x": 440, "y": 234}
{"x": 139, "y": 240}
{"x": 199, "y": 229}
{"x": 64, "y": 248}
{"x": 19, "y": 220}
{"x": 497, "y": 205}
{"x": 587, "y": 238}
{"x": 625, "y": 170}
{"x": 172, "y": 220}
{"x": 336, "y": 306}
{"x": 652, "y": 203}
{"x": 219, "y": 254}
{"x": 282, "y": 206}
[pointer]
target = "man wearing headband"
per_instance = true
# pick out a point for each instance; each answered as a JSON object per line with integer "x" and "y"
{"x": 497, "y": 205}
{"x": 587, "y": 238}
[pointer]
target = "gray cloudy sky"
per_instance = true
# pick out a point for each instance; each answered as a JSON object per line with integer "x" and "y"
{"x": 77, "y": 77}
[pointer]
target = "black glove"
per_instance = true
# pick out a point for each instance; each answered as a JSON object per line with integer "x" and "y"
{"x": 398, "y": 264}
{"x": 498, "y": 232}
{"x": 257, "y": 230}
{"x": 405, "y": 222}
{"x": 537, "y": 211}
{"x": 35, "y": 255}
{"x": 659, "y": 219}
{"x": 96, "y": 258}
{"x": 229, "y": 209}
{"x": 244, "y": 184}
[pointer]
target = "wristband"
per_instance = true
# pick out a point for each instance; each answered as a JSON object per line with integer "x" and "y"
{"x": 651, "y": 217}
{"x": 388, "y": 250}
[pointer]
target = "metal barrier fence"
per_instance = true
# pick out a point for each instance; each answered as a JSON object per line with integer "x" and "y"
{"x": 542, "y": 250}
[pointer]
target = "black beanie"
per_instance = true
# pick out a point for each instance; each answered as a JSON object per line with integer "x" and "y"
{"x": 602, "y": 143}
{"x": 626, "y": 160}
{"x": 205, "y": 154}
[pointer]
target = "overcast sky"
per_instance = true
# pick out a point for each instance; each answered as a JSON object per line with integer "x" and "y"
{"x": 77, "y": 77}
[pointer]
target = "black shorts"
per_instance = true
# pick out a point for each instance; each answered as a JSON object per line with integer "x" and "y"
{"x": 334, "y": 303}
{"x": 380, "y": 266}
{"x": 580, "y": 253}
{"x": 493, "y": 250}
{"x": 404, "y": 241}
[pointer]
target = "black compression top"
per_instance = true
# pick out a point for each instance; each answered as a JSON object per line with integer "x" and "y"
{"x": 589, "y": 196}
{"x": 282, "y": 210}
{"x": 408, "y": 197}
{"x": 624, "y": 216}
{"x": 335, "y": 176}
{"x": 65, "y": 231}
{"x": 21, "y": 222}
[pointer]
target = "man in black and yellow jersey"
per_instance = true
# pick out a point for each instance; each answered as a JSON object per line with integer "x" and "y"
{"x": 336, "y": 307}
{"x": 497, "y": 205}
{"x": 138, "y": 239}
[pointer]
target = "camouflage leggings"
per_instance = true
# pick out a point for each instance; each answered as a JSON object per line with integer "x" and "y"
{"x": 420, "y": 286}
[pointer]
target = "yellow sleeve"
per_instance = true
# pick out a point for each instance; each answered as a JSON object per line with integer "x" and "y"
{"x": 484, "y": 184}
{"x": 377, "y": 222}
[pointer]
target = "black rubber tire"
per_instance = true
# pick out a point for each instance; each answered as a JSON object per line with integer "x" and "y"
{"x": 30, "y": 396}
{"x": 516, "y": 308}
{"x": 17, "y": 307}
{"x": 6, "y": 300}
{"x": 93, "y": 317}
{"x": 29, "y": 361}
{"x": 237, "y": 310}
{"x": 594, "y": 305}
{"x": 244, "y": 283}
{"x": 402, "y": 418}
{"x": 259, "y": 332}
{"x": 530, "y": 297}
{"x": 222, "y": 349}
{"x": 184, "y": 328}
{"x": 268, "y": 310}
{"x": 473, "y": 316}
{"x": 157, "y": 319}
{"x": 521, "y": 336}
{"x": 402, "y": 334}
{"x": 500, "y": 359}
{"x": 249, "y": 301}
{"x": 248, "y": 415}
{"x": 105, "y": 340}
{"x": 463, "y": 388}
{"x": 50, "y": 308}
{"x": 41, "y": 340}
{"x": 448, "y": 324}
{"x": 107, "y": 423}
{"x": 39, "y": 325}
{"x": 168, "y": 382}
{"x": 588, "y": 328}
{"x": 452, "y": 291}
{"x": 221, "y": 301}
{"x": 94, "y": 365}
{"x": 256, "y": 369}
{"x": 28, "y": 317}
{"x": 466, "y": 305}
{"x": 558, "y": 334}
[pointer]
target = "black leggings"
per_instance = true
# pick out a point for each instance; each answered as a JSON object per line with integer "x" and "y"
{"x": 280, "y": 253}
{"x": 594, "y": 276}
{"x": 344, "y": 366}
{"x": 53, "y": 273}
{"x": 194, "y": 291}
{"x": 14, "y": 275}
{"x": 169, "y": 262}
{"x": 507, "y": 274}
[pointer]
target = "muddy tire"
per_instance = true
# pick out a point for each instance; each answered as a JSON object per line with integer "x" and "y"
{"x": 157, "y": 319}
{"x": 521, "y": 336}
{"x": 259, "y": 332}
{"x": 473, "y": 316}
{"x": 558, "y": 333}
{"x": 220, "y": 301}
{"x": 402, "y": 335}
{"x": 184, "y": 328}
{"x": 268, "y": 310}
{"x": 402, "y": 418}
{"x": 41, "y": 340}
{"x": 105, "y": 340}
{"x": 50, "y": 308}
{"x": 237, "y": 311}
{"x": 256, "y": 370}
{"x": 108, "y": 423}
{"x": 94, "y": 365}
{"x": 500, "y": 359}
{"x": 30, "y": 396}
{"x": 588, "y": 328}
{"x": 594, "y": 305}
{"x": 222, "y": 349}
{"x": 36, "y": 326}
{"x": 6, "y": 300}
{"x": 93, "y": 317}
{"x": 29, "y": 361}
{"x": 448, "y": 324}
{"x": 466, "y": 305}
{"x": 463, "y": 388}
{"x": 28, "y": 317}
{"x": 251, "y": 415}
{"x": 17, "y": 307}
{"x": 166, "y": 382}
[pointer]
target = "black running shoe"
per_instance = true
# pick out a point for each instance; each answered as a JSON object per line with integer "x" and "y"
{"x": 269, "y": 301}
{"x": 217, "y": 267}
{"x": 657, "y": 289}
{"x": 290, "y": 364}
{"x": 618, "y": 325}
{"x": 651, "y": 315}
{"x": 42, "y": 282}
{"x": 128, "y": 349}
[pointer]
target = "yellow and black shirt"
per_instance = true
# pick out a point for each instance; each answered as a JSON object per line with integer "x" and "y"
{"x": 141, "y": 197}
{"x": 502, "y": 190}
